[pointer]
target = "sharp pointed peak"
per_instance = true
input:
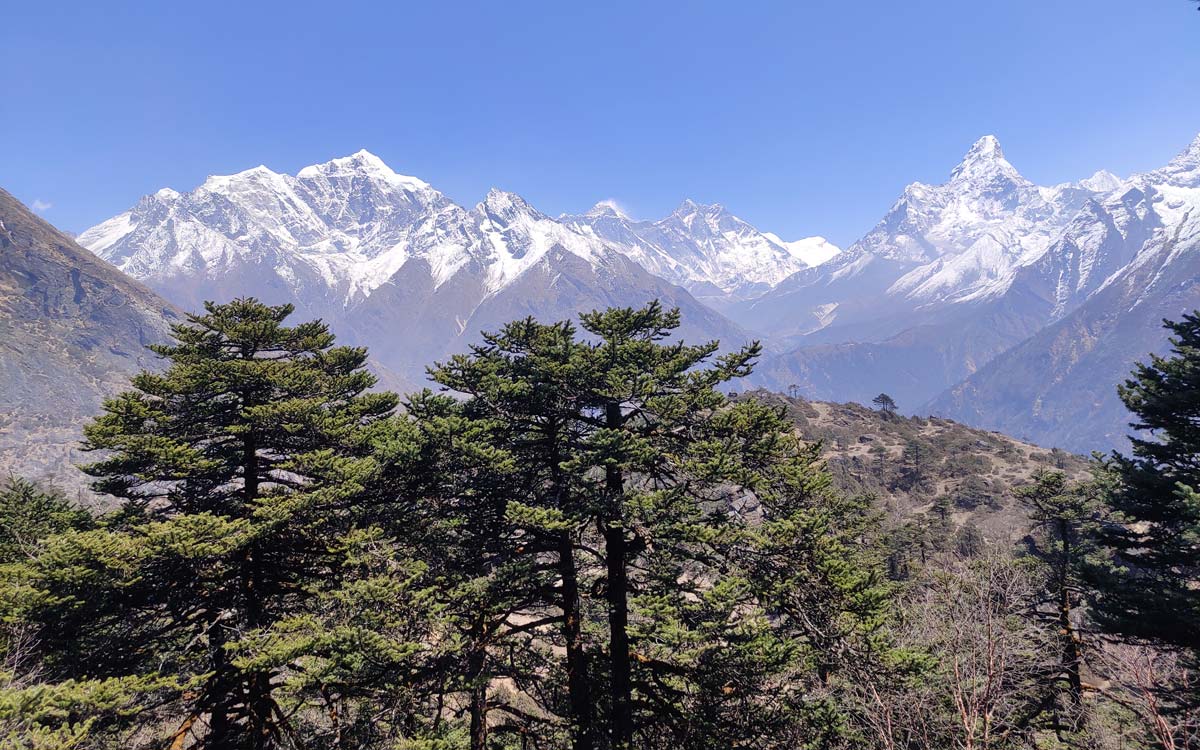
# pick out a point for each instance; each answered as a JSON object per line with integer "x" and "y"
{"x": 986, "y": 147}
{"x": 499, "y": 194}
{"x": 688, "y": 206}
{"x": 1102, "y": 181}
{"x": 985, "y": 158}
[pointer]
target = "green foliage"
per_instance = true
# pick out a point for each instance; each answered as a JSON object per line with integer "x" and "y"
{"x": 240, "y": 465}
{"x": 631, "y": 479}
{"x": 582, "y": 543}
{"x": 1153, "y": 495}
{"x": 29, "y": 514}
{"x": 67, "y": 715}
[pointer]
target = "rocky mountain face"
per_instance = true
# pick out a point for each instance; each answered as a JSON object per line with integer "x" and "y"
{"x": 1133, "y": 261}
{"x": 72, "y": 331}
{"x": 389, "y": 261}
{"x": 974, "y": 297}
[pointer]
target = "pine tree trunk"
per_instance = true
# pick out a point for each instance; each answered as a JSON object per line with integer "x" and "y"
{"x": 258, "y": 684}
{"x": 578, "y": 688}
{"x": 1071, "y": 656}
{"x": 579, "y": 695}
{"x": 479, "y": 689}
{"x": 621, "y": 721}
{"x": 219, "y": 734}
{"x": 259, "y": 703}
{"x": 618, "y": 636}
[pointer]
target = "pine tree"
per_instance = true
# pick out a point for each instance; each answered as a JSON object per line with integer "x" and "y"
{"x": 815, "y": 566}
{"x": 644, "y": 399}
{"x": 522, "y": 383}
{"x": 885, "y": 404}
{"x": 1156, "y": 499}
{"x": 489, "y": 582}
{"x": 239, "y": 465}
{"x": 628, "y": 460}
{"x": 1064, "y": 518}
{"x": 914, "y": 458}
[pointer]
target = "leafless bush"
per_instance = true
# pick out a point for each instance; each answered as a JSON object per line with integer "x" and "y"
{"x": 1152, "y": 684}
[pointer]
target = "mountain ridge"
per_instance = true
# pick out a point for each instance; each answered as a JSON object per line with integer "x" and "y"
{"x": 953, "y": 276}
{"x": 73, "y": 329}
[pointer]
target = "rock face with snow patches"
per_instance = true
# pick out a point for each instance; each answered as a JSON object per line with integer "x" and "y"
{"x": 709, "y": 251}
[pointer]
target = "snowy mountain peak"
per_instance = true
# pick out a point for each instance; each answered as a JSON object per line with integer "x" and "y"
{"x": 985, "y": 160}
{"x": 688, "y": 205}
{"x": 1192, "y": 152}
{"x": 364, "y": 164}
{"x": 812, "y": 251}
{"x": 689, "y": 209}
{"x": 986, "y": 147}
{"x": 505, "y": 206}
{"x": 216, "y": 183}
{"x": 605, "y": 208}
{"x": 1102, "y": 181}
{"x": 704, "y": 248}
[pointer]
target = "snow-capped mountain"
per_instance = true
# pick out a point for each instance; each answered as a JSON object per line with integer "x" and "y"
{"x": 938, "y": 245}
{"x": 1129, "y": 260}
{"x": 391, "y": 260}
{"x": 812, "y": 251}
{"x": 706, "y": 249}
{"x": 325, "y": 238}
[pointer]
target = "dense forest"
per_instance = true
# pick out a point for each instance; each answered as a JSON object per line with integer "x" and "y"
{"x": 580, "y": 539}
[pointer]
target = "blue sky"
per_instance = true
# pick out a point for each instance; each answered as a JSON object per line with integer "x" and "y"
{"x": 801, "y": 117}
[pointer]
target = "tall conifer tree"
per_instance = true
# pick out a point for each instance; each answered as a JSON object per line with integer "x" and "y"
{"x": 1156, "y": 593}
{"x": 1064, "y": 518}
{"x": 632, "y": 481}
{"x": 240, "y": 465}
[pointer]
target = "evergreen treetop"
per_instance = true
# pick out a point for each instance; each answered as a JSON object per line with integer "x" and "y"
{"x": 1156, "y": 499}
{"x": 241, "y": 464}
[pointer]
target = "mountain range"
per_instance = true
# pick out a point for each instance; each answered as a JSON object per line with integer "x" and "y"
{"x": 396, "y": 265}
{"x": 987, "y": 298}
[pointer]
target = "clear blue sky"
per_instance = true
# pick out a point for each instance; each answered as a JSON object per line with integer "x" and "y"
{"x": 802, "y": 117}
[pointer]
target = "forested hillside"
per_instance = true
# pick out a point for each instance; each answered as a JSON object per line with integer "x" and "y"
{"x": 579, "y": 541}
